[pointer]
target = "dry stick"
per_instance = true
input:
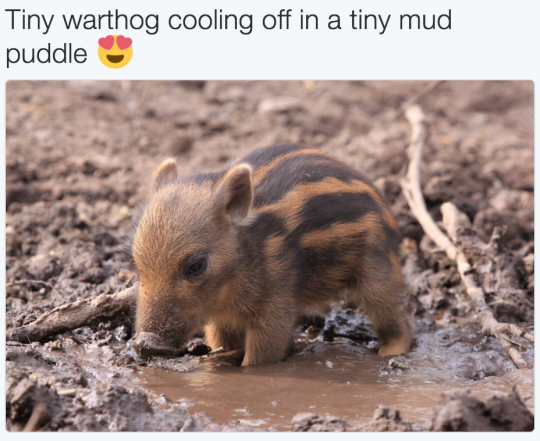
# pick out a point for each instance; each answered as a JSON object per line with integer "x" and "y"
{"x": 38, "y": 414}
{"x": 454, "y": 221}
{"x": 413, "y": 194}
{"x": 431, "y": 86}
{"x": 411, "y": 182}
{"x": 73, "y": 315}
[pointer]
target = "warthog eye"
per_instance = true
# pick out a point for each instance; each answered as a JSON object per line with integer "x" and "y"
{"x": 195, "y": 268}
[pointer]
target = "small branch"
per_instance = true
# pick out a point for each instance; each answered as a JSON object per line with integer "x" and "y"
{"x": 75, "y": 314}
{"x": 453, "y": 220}
{"x": 411, "y": 182}
{"x": 39, "y": 413}
{"x": 416, "y": 99}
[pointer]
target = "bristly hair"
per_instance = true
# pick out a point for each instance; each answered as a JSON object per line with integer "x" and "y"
{"x": 126, "y": 246}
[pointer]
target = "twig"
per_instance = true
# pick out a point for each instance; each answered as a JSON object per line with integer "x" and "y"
{"x": 74, "y": 315}
{"x": 411, "y": 182}
{"x": 30, "y": 282}
{"x": 453, "y": 218}
{"x": 38, "y": 415}
{"x": 415, "y": 99}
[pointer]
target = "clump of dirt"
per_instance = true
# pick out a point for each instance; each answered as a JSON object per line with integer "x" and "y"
{"x": 456, "y": 412}
{"x": 464, "y": 413}
{"x": 459, "y": 411}
{"x": 386, "y": 419}
{"x": 309, "y": 422}
{"x": 74, "y": 399}
{"x": 80, "y": 155}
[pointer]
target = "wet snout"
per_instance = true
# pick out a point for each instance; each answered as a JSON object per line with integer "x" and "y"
{"x": 148, "y": 344}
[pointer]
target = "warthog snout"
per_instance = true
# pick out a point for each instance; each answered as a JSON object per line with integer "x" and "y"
{"x": 148, "y": 344}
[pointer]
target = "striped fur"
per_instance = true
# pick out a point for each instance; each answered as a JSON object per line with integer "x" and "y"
{"x": 285, "y": 230}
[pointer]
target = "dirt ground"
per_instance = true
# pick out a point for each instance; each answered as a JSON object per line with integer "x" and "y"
{"x": 79, "y": 158}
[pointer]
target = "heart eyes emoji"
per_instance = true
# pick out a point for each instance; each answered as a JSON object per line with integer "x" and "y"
{"x": 108, "y": 42}
{"x": 115, "y": 51}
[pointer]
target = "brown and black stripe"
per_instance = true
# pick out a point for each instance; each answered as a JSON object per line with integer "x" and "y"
{"x": 324, "y": 213}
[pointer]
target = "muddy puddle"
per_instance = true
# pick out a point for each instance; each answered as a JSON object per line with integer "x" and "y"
{"x": 326, "y": 376}
{"x": 341, "y": 378}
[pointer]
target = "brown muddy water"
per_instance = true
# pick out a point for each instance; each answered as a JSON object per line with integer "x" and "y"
{"x": 337, "y": 379}
{"x": 342, "y": 378}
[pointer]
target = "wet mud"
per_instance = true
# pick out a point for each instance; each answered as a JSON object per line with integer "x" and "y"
{"x": 342, "y": 378}
{"x": 79, "y": 157}
{"x": 338, "y": 379}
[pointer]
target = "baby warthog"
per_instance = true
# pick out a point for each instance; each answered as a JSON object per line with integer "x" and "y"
{"x": 243, "y": 253}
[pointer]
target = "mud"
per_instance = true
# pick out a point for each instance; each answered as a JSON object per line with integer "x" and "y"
{"x": 346, "y": 380}
{"x": 340, "y": 378}
{"x": 79, "y": 155}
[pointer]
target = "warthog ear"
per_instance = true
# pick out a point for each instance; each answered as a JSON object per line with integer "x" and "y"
{"x": 234, "y": 194}
{"x": 165, "y": 173}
